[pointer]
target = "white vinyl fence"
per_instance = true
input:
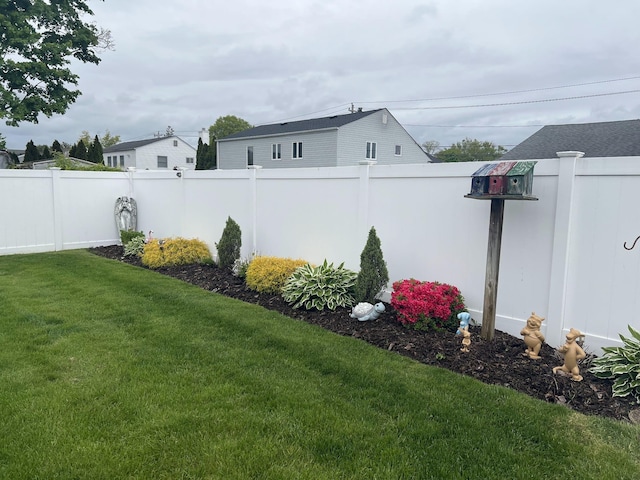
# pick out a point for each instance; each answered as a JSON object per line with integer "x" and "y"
{"x": 562, "y": 256}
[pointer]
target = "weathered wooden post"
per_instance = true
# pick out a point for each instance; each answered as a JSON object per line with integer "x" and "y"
{"x": 498, "y": 182}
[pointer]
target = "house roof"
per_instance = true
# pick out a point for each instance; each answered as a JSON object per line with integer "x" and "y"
{"x": 121, "y": 147}
{"x": 603, "y": 139}
{"x": 334, "y": 121}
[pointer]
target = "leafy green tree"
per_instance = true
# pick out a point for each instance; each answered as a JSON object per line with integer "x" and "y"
{"x": 73, "y": 151}
{"x": 39, "y": 40}
{"x": 106, "y": 140}
{"x": 3, "y": 142}
{"x": 31, "y": 153}
{"x": 469, "y": 150}
{"x": 56, "y": 147}
{"x": 373, "y": 275}
{"x": 431, "y": 146}
{"x": 225, "y": 126}
{"x": 46, "y": 154}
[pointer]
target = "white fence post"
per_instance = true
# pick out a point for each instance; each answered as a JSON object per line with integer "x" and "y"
{"x": 560, "y": 252}
{"x": 254, "y": 206}
{"x": 58, "y": 232}
{"x": 363, "y": 199}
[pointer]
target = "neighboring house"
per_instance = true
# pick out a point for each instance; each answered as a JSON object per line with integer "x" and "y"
{"x": 154, "y": 154}
{"x": 335, "y": 141}
{"x": 603, "y": 139}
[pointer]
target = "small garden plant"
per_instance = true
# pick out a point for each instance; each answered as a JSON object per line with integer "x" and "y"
{"x": 373, "y": 275}
{"x": 135, "y": 246}
{"x": 427, "y": 305}
{"x": 623, "y": 365}
{"x": 127, "y": 235}
{"x": 229, "y": 244}
{"x": 175, "y": 251}
{"x": 269, "y": 274}
{"x": 320, "y": 287}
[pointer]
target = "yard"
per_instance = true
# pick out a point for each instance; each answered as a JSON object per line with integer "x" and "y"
{"x": 112, "y": 371}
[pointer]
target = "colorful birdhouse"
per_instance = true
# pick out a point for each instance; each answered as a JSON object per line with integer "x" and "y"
{"x": 520, "y": 178}
{"x": 480, "y": 180}
{"x": 498, "y": 178}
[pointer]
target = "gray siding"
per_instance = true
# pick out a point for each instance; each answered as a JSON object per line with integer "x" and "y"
{"x": 319, "y": 149}
{"x": 353, "y": 138}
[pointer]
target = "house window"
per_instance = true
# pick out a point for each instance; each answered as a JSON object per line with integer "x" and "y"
{"x": 189, "y": 159}
{"x": 296, "y": 150}
{"x": 398, "y": 150}
{"x": 162, "y": 161}
{"x": 109, "y": 161}
{"x": 276, "y": 151}
{"x": 175, "y": 143}
{"x": 121, "y": 161}
{"x": 371, "y": 151}
{"x": 249, "y": 155}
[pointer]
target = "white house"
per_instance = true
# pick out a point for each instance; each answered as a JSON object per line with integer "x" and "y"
{"x": 152, "y": 154}
{"x": 335, "y": 141}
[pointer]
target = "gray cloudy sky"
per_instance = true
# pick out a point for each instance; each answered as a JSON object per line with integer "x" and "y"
{"x": 185, "y": 63}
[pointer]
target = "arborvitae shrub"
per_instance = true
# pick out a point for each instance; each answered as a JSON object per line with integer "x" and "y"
{"x": 269, "y": 274}
{"x": 229, "y": 244}
{"x": 175, "y": 251}
{"x": 373, "y": 275}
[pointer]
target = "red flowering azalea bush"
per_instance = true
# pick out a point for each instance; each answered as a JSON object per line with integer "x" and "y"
{"x": 427, "y": 305}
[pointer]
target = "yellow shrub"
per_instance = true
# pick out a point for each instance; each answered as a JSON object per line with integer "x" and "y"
{"x": 269, "y": 274}
{"x": 175, "y": 251}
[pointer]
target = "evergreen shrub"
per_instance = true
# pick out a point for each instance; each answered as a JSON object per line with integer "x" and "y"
{"x": 373, "y": 275}
{"x": 175, "y": 251}
{"x": 229, "y": 244}
{"x": 269, "y": 274}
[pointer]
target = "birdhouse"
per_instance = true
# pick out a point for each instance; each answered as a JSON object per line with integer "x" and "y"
{"x": 480, "y": 180}
{"x": 520, "y": 179}
{"x": 498, "y": 178}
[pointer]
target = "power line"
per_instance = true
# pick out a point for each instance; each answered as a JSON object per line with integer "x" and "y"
{"x": 508, "y": 92}
{"x": 546, "y": 100}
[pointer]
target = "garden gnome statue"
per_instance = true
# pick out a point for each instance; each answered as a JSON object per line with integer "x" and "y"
{"x": 463, "y": 330}
{"x": 572, "y": 352}
{"x": 533, "y": 337}
{"x": 126, "y": 213}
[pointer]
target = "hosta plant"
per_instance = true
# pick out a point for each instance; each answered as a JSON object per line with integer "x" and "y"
{"x": 135, "y": 246}
{"x": 623, "y": 365}
{"x": 324, "y": 286}
{"x": 427, "y": 305}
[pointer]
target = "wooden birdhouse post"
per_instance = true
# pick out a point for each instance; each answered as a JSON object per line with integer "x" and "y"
{"x": 498, "y": 182}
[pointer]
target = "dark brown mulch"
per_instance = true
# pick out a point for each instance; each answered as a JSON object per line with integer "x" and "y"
{"x": 498, "y": 362}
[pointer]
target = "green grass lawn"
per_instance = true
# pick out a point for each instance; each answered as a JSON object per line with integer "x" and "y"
{"x": 109, "y": 371}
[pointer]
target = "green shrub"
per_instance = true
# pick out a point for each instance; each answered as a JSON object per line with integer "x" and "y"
{"x": 269, "y": 274}
{"x": 622, "y": 364}
{"x": 427, "y": 305}
{"x": 320, "y": 287}
{"x": 175, "y": 251}
{"x": 373, "y": 275}
{"x": 127, "y": 235}
{"x": 229, "y": 244}
{"x": 135, "y": 246}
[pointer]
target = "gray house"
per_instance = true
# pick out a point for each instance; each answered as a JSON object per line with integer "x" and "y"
{"x": 335, "y": 141}
{"x": 602, "y": 139}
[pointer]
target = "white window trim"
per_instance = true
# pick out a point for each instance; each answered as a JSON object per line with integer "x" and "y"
{"x": 371, "y": 151}
{"x": 276, "y": 151}
{"x": 296, "y": 150}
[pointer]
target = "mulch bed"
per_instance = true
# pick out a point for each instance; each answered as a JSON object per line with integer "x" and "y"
{"x": 498, "y": 362}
